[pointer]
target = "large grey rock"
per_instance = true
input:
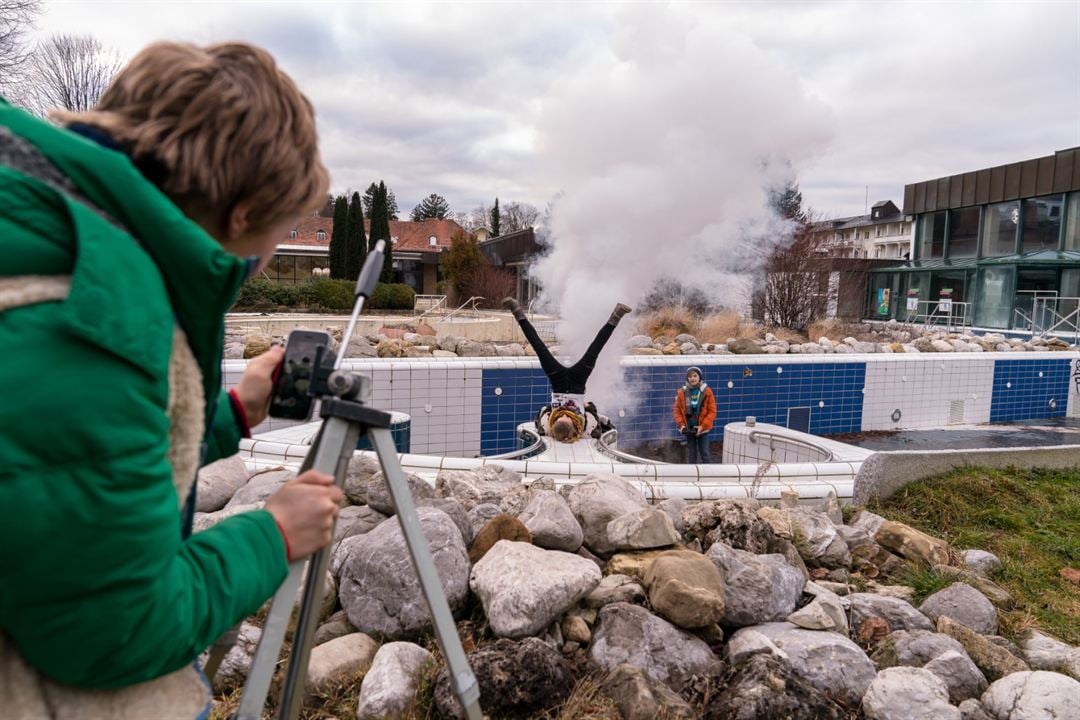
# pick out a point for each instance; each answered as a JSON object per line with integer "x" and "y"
{"x": 457, "y": 513}
{"x": 236, "y": 664}
{"x": 481, "y": 515}
{"x": 744, "y": 346}
{"x": 516, "y": 679}
{"x": 485, "y": 484}
{"x": 218, "y": 482}
{"x": 972, "y": 710}
{"x": 898, "y": 613}
{"x": 390, "y": 684}
{"x": 982, "y": 562}
{"x": 732, "y": 522}
{"x": 366, "y": 485}
{"x": 642, "y": 530}
{"x": 867, "y": 521}
{"x": 824, "y": 612}
{"x": 1033, "y": 695}
{"x": 334, "y": 627}
{"x": 525, "y": 588}
{"x": 631, "y": 634}
{"x": 960, "y": 675}
{"x": 994, "y": 661}
{"x": 1044, "y": 652}
{"x": 615, "y": 588}
{"x": 757, "y": 588}
{"x": 674, "y": 507}
{"x": 449, "y": 343}
{"x": 686, "y": 588}
{"x": 640, "y": 698}
{"x": 471, "y": 348}
{"x": 813, "y": 533}
{"x": 964, "y": 604}
{"x": 748, "y": 642}
{"x": 338, "y": 660}
{"x": 550, "y": 522}
{"x": 827, "y": 660}
{"x": 639, "y": 341}
{"x": 204, "y": 521}
{"x": 596, "y": 501}
{"x": 356, "y": 520}
{"x": 913, "y": 648}
{"x": 907, "y": 693}
{"x": 766, "y": 686}
{"x": 378, "y": 585}
{"x": 260, "y": 486}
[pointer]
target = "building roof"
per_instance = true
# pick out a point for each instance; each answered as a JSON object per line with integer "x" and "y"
{"x": 409, "y": 236}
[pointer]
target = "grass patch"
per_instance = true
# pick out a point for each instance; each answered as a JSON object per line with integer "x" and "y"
{"x": 925, "y": 581}
{"x": 1029, "y": 518}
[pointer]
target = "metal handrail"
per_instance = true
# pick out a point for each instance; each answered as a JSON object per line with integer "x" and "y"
{"x": 470, "y": 302}
{"x": 611, "y": 436}
{"x": 441, "y": 302}
{"x": 955, "y": 315}
{"x": 536, "y": 446}
{"x": 1058, "y": 323}
{"x": 753, "y": 435}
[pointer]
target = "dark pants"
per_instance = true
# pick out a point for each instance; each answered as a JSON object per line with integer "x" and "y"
{"x": 567, "y": 379}
{"x": 699, "y": 447}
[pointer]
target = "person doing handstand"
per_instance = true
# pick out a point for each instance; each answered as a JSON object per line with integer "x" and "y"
{"x": 566, "y": 414}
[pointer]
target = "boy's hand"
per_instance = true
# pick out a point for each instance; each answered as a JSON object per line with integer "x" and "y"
{"x": 255, "y": 386}
{"x": 700, "y": 431}
{"x": 305, "y": 509}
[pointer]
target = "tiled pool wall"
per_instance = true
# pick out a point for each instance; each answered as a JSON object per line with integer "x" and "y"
{"x": 469, "y": 407}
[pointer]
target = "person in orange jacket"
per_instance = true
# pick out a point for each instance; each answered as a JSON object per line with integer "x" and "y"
{"x": 695, "y": 412}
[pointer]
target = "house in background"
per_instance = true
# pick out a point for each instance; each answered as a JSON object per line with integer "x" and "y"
{"x": 417, "y": 248}
{"x": 885, "y": 233}
{"x": 515, "y": 252}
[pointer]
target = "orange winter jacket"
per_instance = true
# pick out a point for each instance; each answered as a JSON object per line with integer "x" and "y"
{"x": 706, "y": 413}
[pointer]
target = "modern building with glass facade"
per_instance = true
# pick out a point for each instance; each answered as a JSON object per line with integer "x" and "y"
{"x": 990, "y": 244}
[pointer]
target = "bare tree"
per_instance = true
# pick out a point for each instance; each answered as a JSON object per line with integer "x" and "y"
{"x": 792, "y": 290}
{"x": 68, "y": 72}
{"x": 15, "y": 17}
{"x": 518, "y": 216}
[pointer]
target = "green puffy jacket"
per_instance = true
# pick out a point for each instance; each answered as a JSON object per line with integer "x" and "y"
{"x": 98, "y": 588}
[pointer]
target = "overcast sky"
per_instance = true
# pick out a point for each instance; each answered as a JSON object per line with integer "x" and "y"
{"x": 456, "y": 99}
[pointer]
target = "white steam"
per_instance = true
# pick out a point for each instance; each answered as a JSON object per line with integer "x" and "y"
{"x": 664, "y": 148}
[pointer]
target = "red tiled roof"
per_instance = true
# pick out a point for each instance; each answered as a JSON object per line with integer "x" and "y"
{"x": 411, "y": 236}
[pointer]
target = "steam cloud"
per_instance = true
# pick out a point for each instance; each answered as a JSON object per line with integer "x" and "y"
{"x": 664, "y": 148}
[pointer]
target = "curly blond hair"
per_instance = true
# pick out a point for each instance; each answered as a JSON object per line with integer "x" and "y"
{"x": 222, "y": 124}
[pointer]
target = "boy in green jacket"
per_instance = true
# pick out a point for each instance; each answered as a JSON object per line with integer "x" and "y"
{"x": 124, "y": 238}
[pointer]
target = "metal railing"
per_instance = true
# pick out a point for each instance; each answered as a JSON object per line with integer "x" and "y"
{"x": 755, "y": 434}
{"x": 429, "y": 304}
{"x": 606, "y": 440}
{"x": 469, "y": 304}
{"x": 1055, "y": 315}
{"x": 536, "y": 445}
{"x": 544, "y": 328}
{"x": 950, "y": 313}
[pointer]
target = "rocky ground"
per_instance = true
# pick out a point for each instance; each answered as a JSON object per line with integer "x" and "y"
{"x": 720, "y": 609}
{"x": 889, "y": 337}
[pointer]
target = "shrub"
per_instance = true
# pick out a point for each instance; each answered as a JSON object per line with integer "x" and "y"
{"x": 492, "y": 284}
{"x": 329, "y": 294}
{"x": 261, "y": 294}
{"x": 392, "y": 296}
{"x": 671, "y": 320}
{"x": 718, "y": 327}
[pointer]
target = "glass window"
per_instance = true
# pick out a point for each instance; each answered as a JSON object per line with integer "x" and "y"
{"x": 304, "y": 264}
{"x": 964, "y": 233}
{"x": 1042, "y": 223}
{"x": 1072, "y": 222}
{"x": 999, "y": 230}
{"x": 994, "y": 301}
{"x": 932, "y": 235}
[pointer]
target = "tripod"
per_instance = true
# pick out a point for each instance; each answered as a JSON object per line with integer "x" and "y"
{"x": 346, "y": 418}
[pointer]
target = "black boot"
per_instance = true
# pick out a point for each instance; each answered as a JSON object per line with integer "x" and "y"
{"x": 617, "y": 313}
{"x": 514, "y": 307}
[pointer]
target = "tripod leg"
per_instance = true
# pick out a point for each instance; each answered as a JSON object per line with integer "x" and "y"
{"x": 462, "y": 679}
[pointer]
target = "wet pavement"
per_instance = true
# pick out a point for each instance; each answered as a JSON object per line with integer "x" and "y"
{"x": 1034, "y": 433}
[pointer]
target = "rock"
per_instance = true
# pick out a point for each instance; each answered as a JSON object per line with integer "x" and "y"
{"x": 731, "y": 522}
{"x": 516, "y": 679}
{"x": 501, "y": 527}
{"x": 615, "y": 589}
{"x": 390, "y": 685}
{"x": 964, "y": 604}
{"x": 899, "y": 614}
{"x": 1033, "y": 695}
{"x": 255, "y": 345}
{"x": 236, "y": 664}
{"x": 824, "y": 612}
{"x": 449, "y": 343}
{"x": 457, "y": 513}
{"x": 639, "y": 341}
{"x": 338, "y": 660}
{"x": 686, "y": 588}
{"x": 631, "y": 634}
{"x": 962, "y": 678}
{"x": 743, "y": 346}
{"x": 486, "y": 484}
{"x": 855, "y": 538}
{"x": 671, "y": 349}
{"x": 548, "y": 519}
{"x": 757, "y": 588}
{"x": 335, "y": 626}
{"x": 913, "y": 648}
{"x": 596, "y": 501}
{"x": 981, "y": 562}
{"x": 480, "y": 515}
{"x": 575, "y": 629}
{"x": 872, "y": 631}
{"x": 218, "y": 482}
{"x": 361, "y": 348}
{"x": 674, "y": 508}
{"x": 470, "y": 348}
{"x": 997, "y": 594}
{"x": 356, "y": 520}
{"x": 907, "y": 693}
{"x": 390, "y": 348}
{"x": 813, "y": 534}
{"x": 867, "y": 521}
{"x": 634, "y": 564}
{"x": 748, "y": 642}
{"x": 972, "y": 710}
{"x": 642, "y": 530}
{"x": 941, "y": 346}
{"x": 912, "y": 544}
{"x": 366, "y": 485}
{"x": 766, "y": 686}
{"x": 688, "y": 349}
{"x": 204, "y": 521}
{"x": 1044, "y": 652}
{"x": 995, "y": 662}
{"x": 632, "y": 692}
{"x": 379, "y": 589}
{"x": 443, "y": 354}
{"x": 524, "y": 588}
{"x": 828, "y": 661}
{"x": 646, "y": 351}
{"x": 599, "y": 562}
{"x": 260, "y": 486}
{"x": 233, "y": 351}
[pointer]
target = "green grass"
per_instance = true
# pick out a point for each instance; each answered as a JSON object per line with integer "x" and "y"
{"x": 925, "y": 581}
{"x": 1029, "y": 518}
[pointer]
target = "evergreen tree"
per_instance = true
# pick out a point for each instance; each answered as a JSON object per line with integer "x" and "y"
{"x": 380, "y": 230}
{"x": 433, "y": 206}
{"x": 496, "y": 220}
{"x": 391, "y": 201}
{"x": 788, "y": 202}
{"x": 356, "y": 242}
{"x": 339, "y": 239}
